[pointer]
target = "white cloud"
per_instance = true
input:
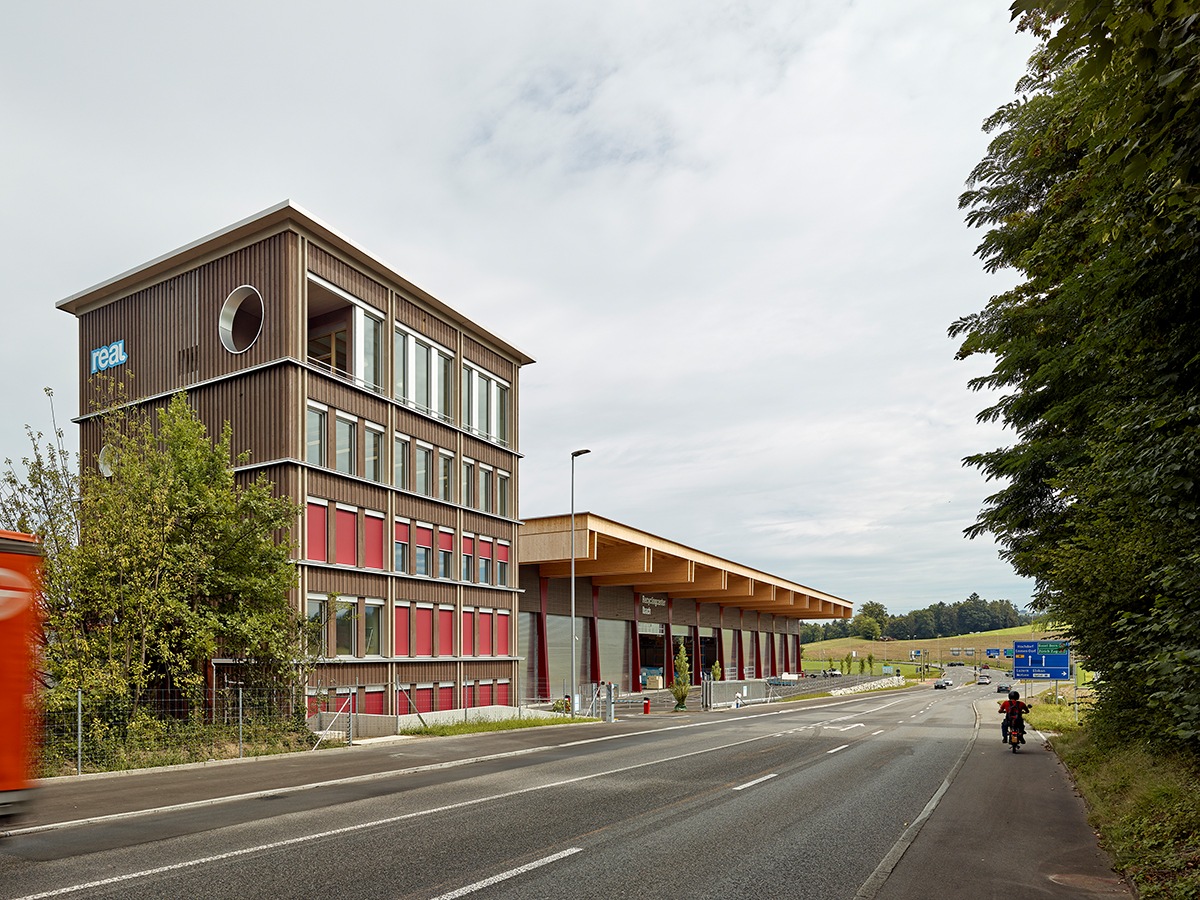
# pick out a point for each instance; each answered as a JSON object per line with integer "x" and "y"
{"x": 729, "y": 234}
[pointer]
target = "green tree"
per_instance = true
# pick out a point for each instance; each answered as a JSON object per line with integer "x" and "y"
{"x": 683, "y": 677}
{"x": 168, "y": 561}
{"x": 1090, "y": 191}
{"x": 866, "y": 627}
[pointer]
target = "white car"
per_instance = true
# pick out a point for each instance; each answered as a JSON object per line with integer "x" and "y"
{"x": 985, "y": 679}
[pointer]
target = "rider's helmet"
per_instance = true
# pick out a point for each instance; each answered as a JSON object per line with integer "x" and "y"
{"x": 1013, "y": 695}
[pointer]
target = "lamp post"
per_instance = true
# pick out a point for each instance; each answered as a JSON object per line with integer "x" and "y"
{"x": 574, "y": 455}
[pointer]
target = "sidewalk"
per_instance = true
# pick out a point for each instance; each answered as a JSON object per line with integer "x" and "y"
{"x": 1009, "y": 824}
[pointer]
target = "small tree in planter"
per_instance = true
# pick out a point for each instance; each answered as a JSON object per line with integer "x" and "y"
{"x": 716, "y": 671}
{"x": 683, "y": 681}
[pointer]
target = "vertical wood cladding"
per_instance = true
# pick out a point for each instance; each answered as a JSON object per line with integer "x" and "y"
{"x": 475, "y": 352}
{"x": 171, "y": 329}
{"x": 349, "y": 279}
{"x": 418, "y": 318}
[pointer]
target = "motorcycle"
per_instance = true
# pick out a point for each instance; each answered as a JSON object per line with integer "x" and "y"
{"x": 1016, "y": 731}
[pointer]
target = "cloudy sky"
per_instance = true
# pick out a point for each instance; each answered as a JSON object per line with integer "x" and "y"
{"x": 729, "y": 231}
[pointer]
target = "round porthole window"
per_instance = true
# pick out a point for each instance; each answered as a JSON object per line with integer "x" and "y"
{"x": 104, "y": 462}
{"x": 241, "y": 319}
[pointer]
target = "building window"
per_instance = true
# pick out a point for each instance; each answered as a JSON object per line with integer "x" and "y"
{"x": 400, "y": 548}
{"x": 346, "y": 449}
{"x": 373, "y": 619}
{"x": 424, "y": 550}
{"x": 484, "y": 404}
{"x": 424, "y": 472}
{"x": 424, "y": 374}
{"x": 468, "y": 483}
{"x": 446, "y": 475}
{"x": 483, "y": 550}
{"x": 373, "y": 453}
{"x": 347, "y": 628}
{"x": 400, "y": 450}
{"x": 329, "y": 348}
{"x": 485, "y": 488}
{"x": 468, "y": 558}
{"x": 314, "y": 449}
{"x": 368, "y": 365}
{"x": 502, "y": 563}
{"x": 445, "y": 554}
{"x": 316, "y": 633}
{"x": 502, "y": 492}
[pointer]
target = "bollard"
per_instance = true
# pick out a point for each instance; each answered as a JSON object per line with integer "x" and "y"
{"x": 646, "y": 707}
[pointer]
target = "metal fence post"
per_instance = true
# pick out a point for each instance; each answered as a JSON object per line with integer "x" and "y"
{"x": 78, "y": 731}
{"x": 239, "y": 721}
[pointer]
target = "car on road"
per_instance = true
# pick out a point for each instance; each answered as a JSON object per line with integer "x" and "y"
{"x": 1003, "y": 688}
{"x": 942, "y": 683}
{"x": 985, "y": 679}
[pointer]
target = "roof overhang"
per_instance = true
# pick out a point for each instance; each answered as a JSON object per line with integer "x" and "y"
{"x": 613, "y": 554}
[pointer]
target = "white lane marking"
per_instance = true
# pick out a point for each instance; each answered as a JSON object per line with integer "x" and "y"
{"x": 873, "y": 733}
{"x": 855, "y": 725}
{"x": 360, "y": 826}
{"x": 511, "y": 873}
{"x": 447, "y": 764}
{"x": 741, "y": 787}
{"x": 836, "y": 749}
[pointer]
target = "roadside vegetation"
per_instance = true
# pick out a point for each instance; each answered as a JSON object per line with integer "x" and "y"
{"x": 478, "y": 726}
{"x": 1140, "y": 799}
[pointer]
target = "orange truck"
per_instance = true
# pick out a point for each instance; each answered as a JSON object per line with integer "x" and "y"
{"x": 20, "y": 570}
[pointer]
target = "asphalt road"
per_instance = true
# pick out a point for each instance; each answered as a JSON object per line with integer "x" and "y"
{"x": 822, "y": 799}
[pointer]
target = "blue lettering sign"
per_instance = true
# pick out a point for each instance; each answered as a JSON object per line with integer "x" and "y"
{"x": 106, "y": 357}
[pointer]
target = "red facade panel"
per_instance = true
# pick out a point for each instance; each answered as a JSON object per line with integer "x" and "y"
{"x": 423, "y": 697}
{"x": 485, "y": 634}
{"x": 373, "y": 542}
{"x": 402, "y": 631}
{"x": 468, "y": 632}
{"x": 346, "y": 540}
{"x": 317, "y": 532}
{"x": 373, "y": 704}
{"x": 503, "y": 694}
{"x": 445, "y": 632}
{"x": 424, "y": 631}
{"x": 445, "y": 696}
{"x": 502, "y": 625}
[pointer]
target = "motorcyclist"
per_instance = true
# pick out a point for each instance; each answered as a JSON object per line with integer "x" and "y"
{"x": 1013, "y": 709}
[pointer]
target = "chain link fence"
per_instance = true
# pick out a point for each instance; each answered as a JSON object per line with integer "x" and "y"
{"x": 82, "y": 733}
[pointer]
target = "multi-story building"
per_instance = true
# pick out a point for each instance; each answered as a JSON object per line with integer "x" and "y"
{"x": 390, "y": 417}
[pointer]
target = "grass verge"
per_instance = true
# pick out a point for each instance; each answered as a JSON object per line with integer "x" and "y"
{"x": 475, "y": 727}
{"x": 1144, "y": 804}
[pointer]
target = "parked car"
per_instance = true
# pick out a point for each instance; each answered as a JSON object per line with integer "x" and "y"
{"x": 1003, "y": 688}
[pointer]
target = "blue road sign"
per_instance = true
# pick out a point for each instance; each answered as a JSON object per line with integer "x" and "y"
{"x": 1041, "y": 660}
{"x": 993, "y": 652}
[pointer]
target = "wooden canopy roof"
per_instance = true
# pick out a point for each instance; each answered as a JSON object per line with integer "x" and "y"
{"x": 614, "y": 554}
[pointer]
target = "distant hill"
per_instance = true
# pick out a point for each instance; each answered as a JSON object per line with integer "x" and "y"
{"x": 971, "y": 648}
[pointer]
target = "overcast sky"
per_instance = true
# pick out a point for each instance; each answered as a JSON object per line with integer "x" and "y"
{"x": 729, "y": 233}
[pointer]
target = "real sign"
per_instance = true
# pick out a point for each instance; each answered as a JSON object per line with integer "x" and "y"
{"x": 108, "y": 356}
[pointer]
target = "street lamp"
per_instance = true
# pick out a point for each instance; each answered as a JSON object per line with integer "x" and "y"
{"x": 574, "y": 454}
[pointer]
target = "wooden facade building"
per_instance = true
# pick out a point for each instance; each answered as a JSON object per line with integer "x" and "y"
{"x": 388, "y": 416}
